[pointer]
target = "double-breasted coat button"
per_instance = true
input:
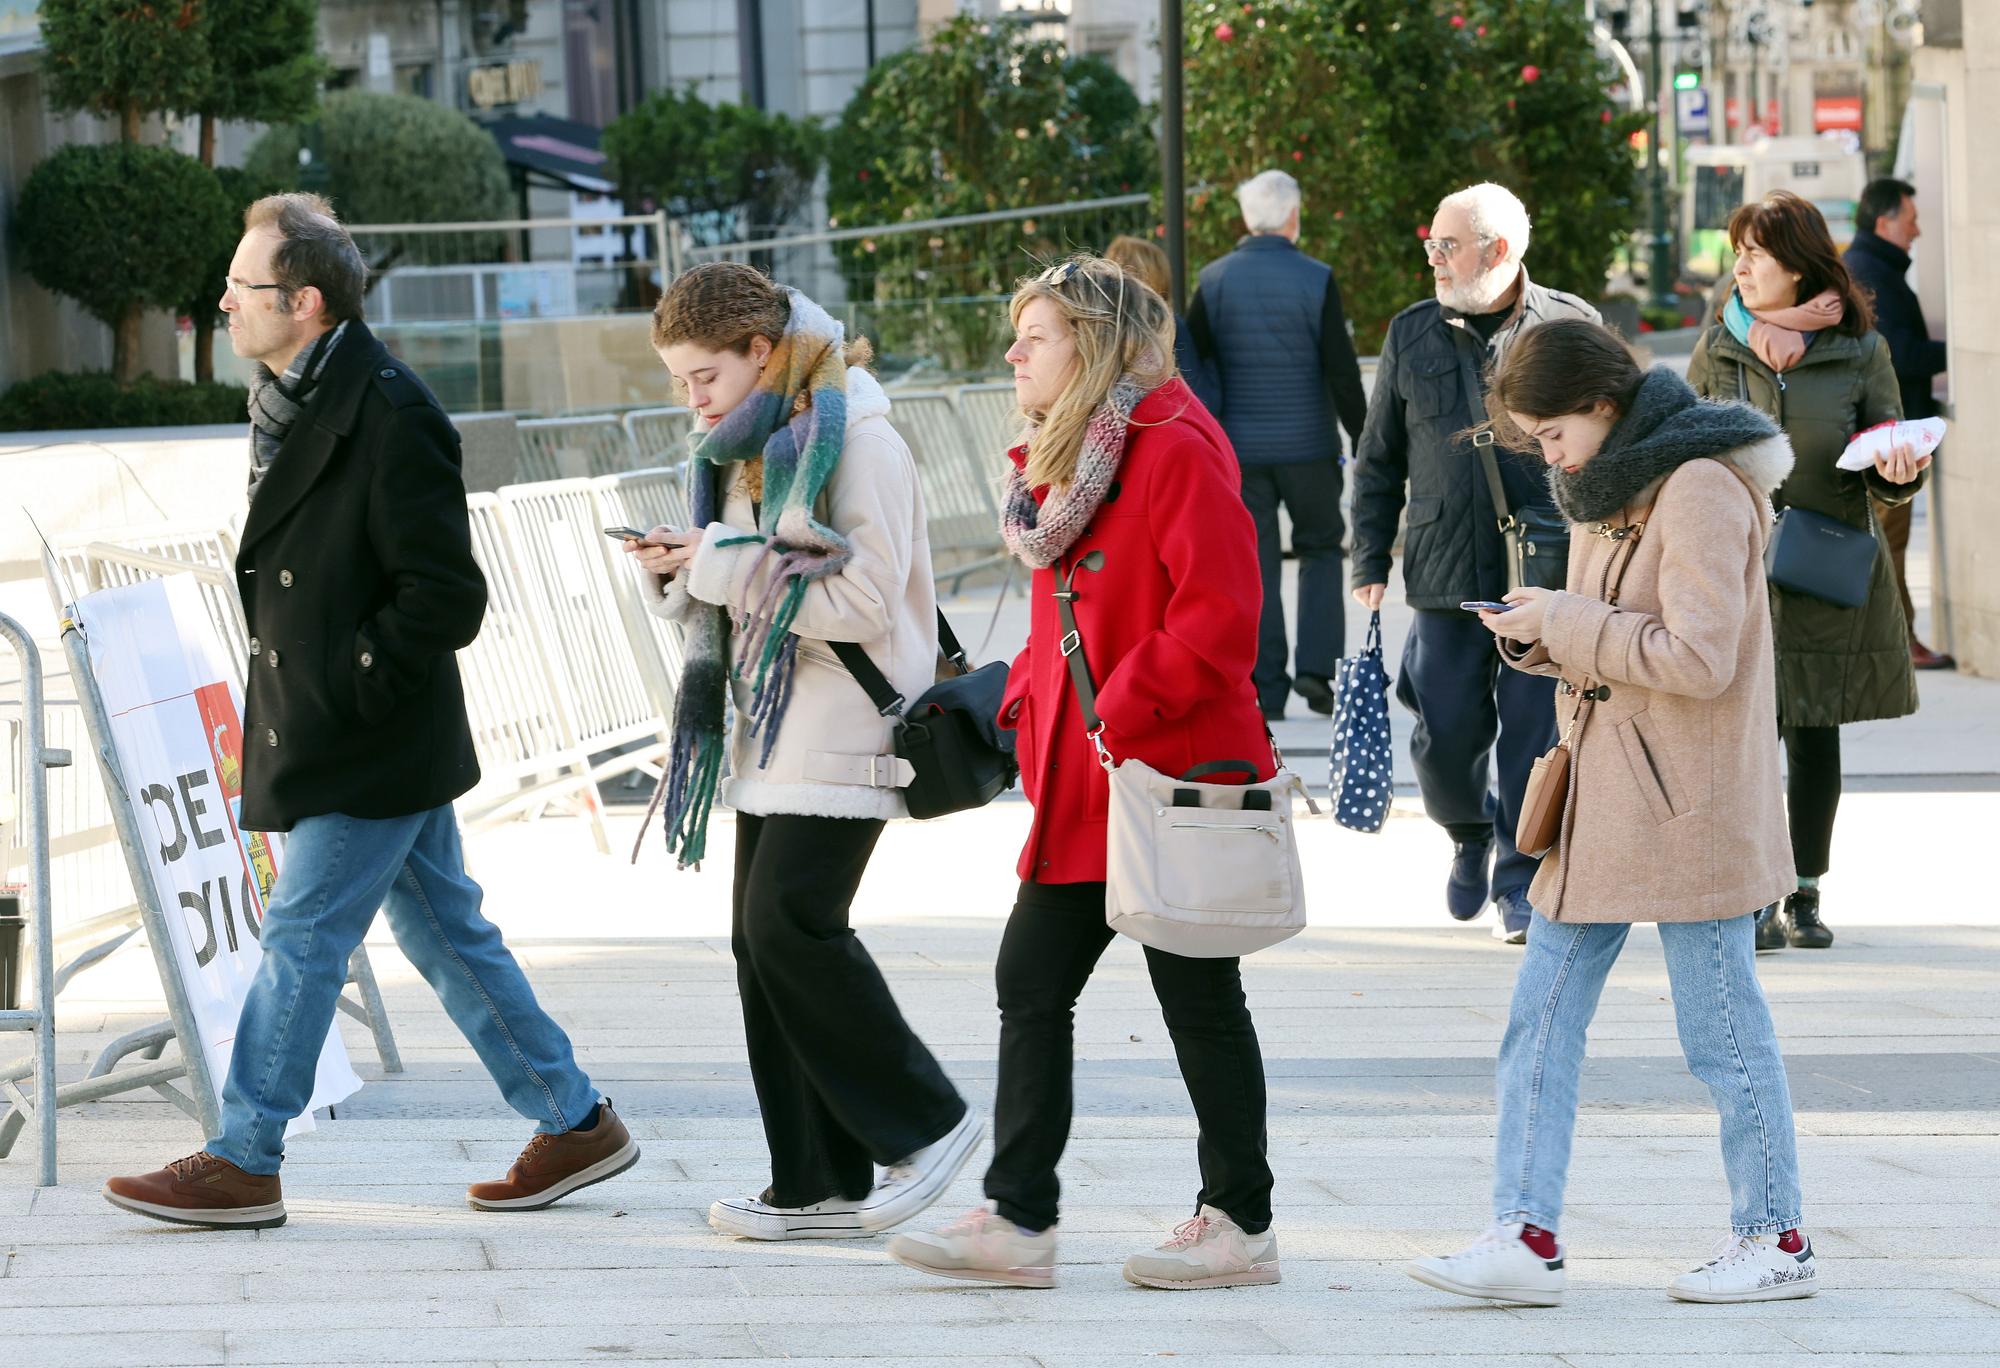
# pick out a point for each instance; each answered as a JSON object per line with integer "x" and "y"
{"x": 256, "y": 647}
{"x": 285, "y": 578}
{"x": 367, "y": 661}
{"x": 389, "y": 374}
{"x": 270, "y": 736}
{"x": 273, "y": 657}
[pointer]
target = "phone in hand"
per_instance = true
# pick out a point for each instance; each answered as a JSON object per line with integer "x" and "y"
{"x": 630, "y": 534}
{"x": 1486, "y": 606}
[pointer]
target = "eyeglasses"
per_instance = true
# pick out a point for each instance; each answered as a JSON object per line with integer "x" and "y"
{"x": 1448, "y": 247}
{"x": 237, "y": 287}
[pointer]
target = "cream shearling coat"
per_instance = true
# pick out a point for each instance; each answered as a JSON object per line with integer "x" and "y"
{"x": 884, "y": 599}
{"x": 1676, "y": 811}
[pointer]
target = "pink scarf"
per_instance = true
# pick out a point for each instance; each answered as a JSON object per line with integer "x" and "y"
{"x": 1779, "y": 335}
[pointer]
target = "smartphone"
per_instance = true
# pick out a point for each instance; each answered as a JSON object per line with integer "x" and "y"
{"x": 632, "y": 534}
{"x": 1486, "y": 606}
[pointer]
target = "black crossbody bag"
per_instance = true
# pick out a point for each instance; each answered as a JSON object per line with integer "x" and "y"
{"x": 1815, "y": 555}
{"x": 959, "y": 756}
{"x": 1537, "y": 539}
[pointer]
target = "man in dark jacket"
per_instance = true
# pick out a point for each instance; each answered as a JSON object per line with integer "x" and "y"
{"x": 358, "y": 584}
{"x": 1279, "y": 366}
{"x": 1879, "y": 259}
{"x": 1429, "y": 390}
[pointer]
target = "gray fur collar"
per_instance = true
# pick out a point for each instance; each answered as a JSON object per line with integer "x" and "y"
{"x": 1666, "y": 427}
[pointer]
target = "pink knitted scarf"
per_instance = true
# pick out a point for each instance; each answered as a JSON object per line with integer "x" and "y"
{"x": 1779, "y": 335}
{"x": 1039, "y": 533}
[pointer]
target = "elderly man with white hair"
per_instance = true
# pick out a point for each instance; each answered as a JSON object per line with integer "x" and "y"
{"x": 1481, "y": 522}
{"x": 1267, "y": 323}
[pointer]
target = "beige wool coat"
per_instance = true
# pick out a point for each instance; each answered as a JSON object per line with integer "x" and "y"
{"x": 1676, "y": 811}
{"x": 834, "y": 755}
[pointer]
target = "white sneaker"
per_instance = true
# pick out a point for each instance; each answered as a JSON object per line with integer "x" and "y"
{"x": 981, "y": 1246}
{"x": 753, "y": 1218}
{"x": 1498, "y": 1266}
{"x": 1749, "y": 1268}
{"x": 907, "y": 1188}
{"x": 1209, "y": 1251}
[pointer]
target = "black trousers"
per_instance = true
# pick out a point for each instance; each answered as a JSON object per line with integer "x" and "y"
{"x": 1471, "y": 711}
{"x": 842, "y": 1081}
{"x": 1053, "y": 940}
{"x": 1812, "y": 795}
{"x": 1310, "y": 492}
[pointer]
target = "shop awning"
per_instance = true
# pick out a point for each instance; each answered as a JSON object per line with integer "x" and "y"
{"x": 559, "y": 152}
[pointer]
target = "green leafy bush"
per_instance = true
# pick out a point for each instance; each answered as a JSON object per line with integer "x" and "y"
{"x": 60, "y": 401}
{"x": 984, "y": 117}
{"x": 1387, "y": 107}
{"x": 93, "y": 224}
{"x": 731, "y": 171}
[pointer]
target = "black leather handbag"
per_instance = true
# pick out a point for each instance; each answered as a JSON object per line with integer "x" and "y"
{"x": 1813, "y": 554}
{"x": 1537, "y": 538}
{"x": 959, "y": 756}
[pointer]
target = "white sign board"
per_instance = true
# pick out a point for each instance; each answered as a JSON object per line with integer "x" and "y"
{"x": 1693, "y": 111}
{"x": 177, "y": 729}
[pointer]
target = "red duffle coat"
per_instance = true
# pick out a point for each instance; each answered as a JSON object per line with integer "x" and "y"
{"x": 1169, "y": 625}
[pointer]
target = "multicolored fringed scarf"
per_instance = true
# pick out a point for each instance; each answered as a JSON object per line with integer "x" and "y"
{"x": 796, "y": 419}
{"x": 1038, "y": 534}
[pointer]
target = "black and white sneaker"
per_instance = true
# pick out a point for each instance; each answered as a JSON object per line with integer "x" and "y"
{"x": 1497, "y": 1266}
{"x": 1750, "y": 1268}
{"x": 909, "y": 1187}
{"x": 753, "y": 1218}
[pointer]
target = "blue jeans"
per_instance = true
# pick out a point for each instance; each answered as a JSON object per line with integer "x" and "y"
{"x": 338, "y": 870}
{"x": 1726, "y": 1035}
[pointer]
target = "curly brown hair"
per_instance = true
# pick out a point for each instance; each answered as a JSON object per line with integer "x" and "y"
{"x": 722, "y": 305}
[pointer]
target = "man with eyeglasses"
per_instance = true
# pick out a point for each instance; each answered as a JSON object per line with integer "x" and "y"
{"x": 1414, "y": 451}
{"x": 358, "y": 584}
{"x": 1267, "y": 323}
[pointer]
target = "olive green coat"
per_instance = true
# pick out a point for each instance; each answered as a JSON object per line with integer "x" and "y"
{"x": 1835, "y": 664}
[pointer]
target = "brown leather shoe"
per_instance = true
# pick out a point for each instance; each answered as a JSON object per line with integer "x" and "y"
{"x": 1923, "y": 657}
{"x": 202, "y": 1190}
{"x": 554, "y": 1166}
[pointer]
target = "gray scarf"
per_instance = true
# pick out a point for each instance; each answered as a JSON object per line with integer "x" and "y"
{"x": 1666, "y": 427}
{"x": 277, "y": 401}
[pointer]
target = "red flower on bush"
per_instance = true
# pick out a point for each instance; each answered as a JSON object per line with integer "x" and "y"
{"x": 1458, "y": 21}
{"x": 1531, "y": 73}
{"x": 1479, "y": 32}
{"x": 1298, "y": 156}
{"x": 1223, "y": 33}
{"x": 1424, "y": 231}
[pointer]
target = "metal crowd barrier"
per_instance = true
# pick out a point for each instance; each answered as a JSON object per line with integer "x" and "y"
{"x": 659, "y": 435}
{"x": 644, "y": 499}
{"x": 570, "y": 448}
{"x": 961, "y": 504}
{"x": 992, "y": 421}
{"x": 35, "y": 758}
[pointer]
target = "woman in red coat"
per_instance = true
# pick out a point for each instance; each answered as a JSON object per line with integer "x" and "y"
{"x": 1121, "y": 459}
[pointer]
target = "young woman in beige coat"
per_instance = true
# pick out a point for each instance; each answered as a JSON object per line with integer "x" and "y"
{"x": 1674, "y": 813}
{"x": 808, "y": 529}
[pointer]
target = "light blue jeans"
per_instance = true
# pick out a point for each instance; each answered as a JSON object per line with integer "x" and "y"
{"x": 338, "y": 870}
{"x": 1726, "y": 1034}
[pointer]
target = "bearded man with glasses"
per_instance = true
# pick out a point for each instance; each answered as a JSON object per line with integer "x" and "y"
{"x": 1417, "y": 450}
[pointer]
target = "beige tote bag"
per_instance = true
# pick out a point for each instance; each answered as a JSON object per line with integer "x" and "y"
{"x": 1209, "y": 871}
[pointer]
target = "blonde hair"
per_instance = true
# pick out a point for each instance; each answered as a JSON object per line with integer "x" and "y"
{"x": 1143, "y": 261}
{"x": 1120, "y": 328}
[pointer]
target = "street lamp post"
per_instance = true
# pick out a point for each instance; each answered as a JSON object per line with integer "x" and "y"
{"x": 1173, "y": 189}
{"x": 1662, "y": 271}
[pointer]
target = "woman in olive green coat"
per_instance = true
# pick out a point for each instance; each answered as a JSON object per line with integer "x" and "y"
{"x": 1795, "y": 340}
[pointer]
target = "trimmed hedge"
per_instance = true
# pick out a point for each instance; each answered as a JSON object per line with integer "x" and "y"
{"x": 60, "y": 401}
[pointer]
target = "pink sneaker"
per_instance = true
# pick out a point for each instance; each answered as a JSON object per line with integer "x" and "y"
{"x": 981, "y": 1246}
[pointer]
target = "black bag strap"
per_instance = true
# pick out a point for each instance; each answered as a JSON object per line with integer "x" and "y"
{"x": 1503, "y": 513}
{"x": 880, "y": 691}
{"x": 1072, "y": 647}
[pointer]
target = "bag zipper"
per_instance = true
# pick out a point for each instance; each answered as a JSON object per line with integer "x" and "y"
{"x": 1224, "y": 826}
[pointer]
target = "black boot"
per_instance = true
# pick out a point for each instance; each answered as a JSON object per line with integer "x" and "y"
{"x": 1770, "y": 929}
{"x": 1803, "y": 928}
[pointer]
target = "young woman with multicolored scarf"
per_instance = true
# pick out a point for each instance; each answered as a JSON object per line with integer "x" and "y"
{"x": 1125, "y": 477}
{"x": 808, "y": 528}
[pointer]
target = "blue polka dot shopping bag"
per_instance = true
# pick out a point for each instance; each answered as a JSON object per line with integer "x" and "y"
{"x": 1362, "y": 752}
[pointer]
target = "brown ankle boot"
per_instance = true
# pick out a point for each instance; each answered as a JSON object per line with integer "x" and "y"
{"x": 202, "y": 1190}
{"x": 553, "y": 1166}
